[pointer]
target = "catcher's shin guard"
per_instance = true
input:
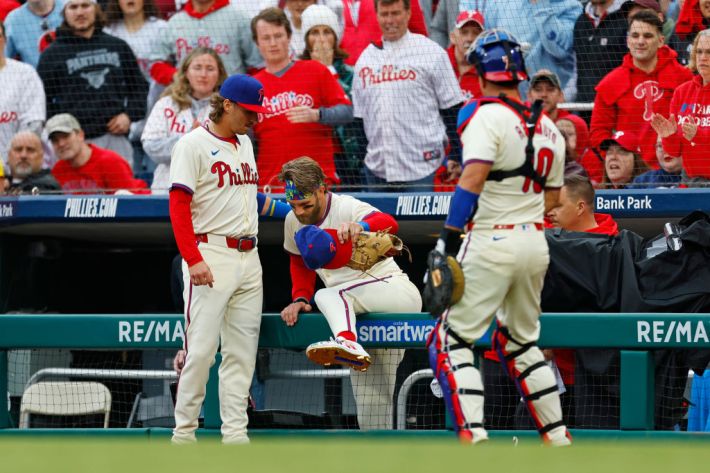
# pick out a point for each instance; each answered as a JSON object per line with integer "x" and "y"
{"x": 525, "y": 365}
{"x": 451, "y": 359}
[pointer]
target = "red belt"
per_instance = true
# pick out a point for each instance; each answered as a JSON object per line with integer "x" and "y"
{"x": 239, "y": 244}
{"x": 538, "y": 226}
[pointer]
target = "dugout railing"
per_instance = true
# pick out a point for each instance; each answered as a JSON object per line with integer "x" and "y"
{"x": 634, "y": 334}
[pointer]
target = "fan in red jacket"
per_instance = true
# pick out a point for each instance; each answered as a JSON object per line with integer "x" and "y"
{"x": 686, "y": 132}
{"x": 469, "y": 24}
{"x": 629, "y": 95}
{"x": 362, "y": 28}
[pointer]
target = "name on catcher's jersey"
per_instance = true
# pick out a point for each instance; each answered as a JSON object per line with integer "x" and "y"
{"x": 221, "y": 174}
{"x": 340, "y": 209}
{"x": 495, "y": 134}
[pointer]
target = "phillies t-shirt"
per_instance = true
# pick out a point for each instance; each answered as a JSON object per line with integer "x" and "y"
{"x": 104, "y": 172}
{"x": 306, "y": 83}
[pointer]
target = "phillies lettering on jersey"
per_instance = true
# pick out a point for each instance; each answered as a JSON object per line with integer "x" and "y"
{"x": 175, "y": 125}
{"x": 8, "y": 117}
{"x": 387, "y": 73}
{"x": 183, "y": 46}
{"x": 221, "y": 174}
{"x": 304, "y": 83}
{"x": 280, "y": 103}
{"x": 404, "y": 83}
{"x": 247, "y": 175}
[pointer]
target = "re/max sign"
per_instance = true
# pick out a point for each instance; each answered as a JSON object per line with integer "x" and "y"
{"x": 671, "y": 331}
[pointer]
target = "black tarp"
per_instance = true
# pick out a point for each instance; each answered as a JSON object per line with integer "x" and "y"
{"x": 597, "y": 273}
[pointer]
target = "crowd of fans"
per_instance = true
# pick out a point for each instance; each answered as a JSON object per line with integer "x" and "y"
{"x": 370, "y": 89}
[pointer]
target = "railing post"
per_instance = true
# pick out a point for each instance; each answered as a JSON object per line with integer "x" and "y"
{"x": 637, "y": 396}
{"x": 4, "y": 414}
{"x": 211, "y": 405}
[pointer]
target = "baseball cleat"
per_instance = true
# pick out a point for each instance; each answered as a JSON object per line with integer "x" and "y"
{"x": 339, "y": 351}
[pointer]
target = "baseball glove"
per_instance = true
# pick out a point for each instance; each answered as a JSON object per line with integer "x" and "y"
{"x": 371, "y": 248}
{"x": 444, "y": 283}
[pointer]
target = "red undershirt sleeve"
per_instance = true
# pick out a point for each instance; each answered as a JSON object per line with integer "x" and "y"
{"x": 181, "y": 218}
{"x": 303, "y": 280}
{"x": 162, "y": 72}
{"x": 381, "y": 221}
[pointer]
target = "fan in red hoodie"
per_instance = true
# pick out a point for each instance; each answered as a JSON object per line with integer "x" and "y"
{"x": 686, "y": 132}
{"x": 629, "y": 95}
{"x": 575, "y": 213}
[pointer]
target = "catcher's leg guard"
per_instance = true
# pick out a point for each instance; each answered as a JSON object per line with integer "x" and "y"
{"x": 451, "y": 359}
{"x": 526, "y": 366}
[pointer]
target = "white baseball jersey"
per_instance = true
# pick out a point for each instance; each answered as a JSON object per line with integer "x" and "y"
{"x": 163, "y": 128}
{"x": 223, "y": 179}
{"x": 341, "y": 208}
{"x": 384, "y": 288}
{"x": 142, "y": 41}
{"x": 495, "y": 134}
{"x": 22, "y": 101}
{"x": 504, "y": 270}
{"x": 225, "y": 30}
{"x": 398, "y": 90}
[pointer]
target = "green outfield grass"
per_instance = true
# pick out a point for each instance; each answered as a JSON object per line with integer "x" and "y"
{"x": 354, "y": 455}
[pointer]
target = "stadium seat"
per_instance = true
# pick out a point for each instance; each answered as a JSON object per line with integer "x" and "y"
{"x": 65, "y": 399}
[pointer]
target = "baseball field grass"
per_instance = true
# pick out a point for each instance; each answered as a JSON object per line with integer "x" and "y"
{"x": 294, "y": 454}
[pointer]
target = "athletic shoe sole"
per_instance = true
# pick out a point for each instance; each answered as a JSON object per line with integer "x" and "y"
{"x": 327, "y": 356}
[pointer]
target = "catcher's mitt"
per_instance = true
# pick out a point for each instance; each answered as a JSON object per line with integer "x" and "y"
{"x": 371, "y": 248}
{"x": 444, "y": 283}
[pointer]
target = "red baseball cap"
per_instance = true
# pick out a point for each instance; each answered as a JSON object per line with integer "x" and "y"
{"x": 467, "y": 16}
{"x": 626, "y": 139}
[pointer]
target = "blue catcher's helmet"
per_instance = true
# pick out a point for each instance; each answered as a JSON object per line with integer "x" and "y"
{"x": 497, "y": 56}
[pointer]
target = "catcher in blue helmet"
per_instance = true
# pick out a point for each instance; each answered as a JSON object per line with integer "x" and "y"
{"x": 513, "y": 159}
{"x": 497, "y": 57}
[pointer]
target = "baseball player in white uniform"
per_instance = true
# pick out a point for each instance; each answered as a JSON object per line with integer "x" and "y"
{"x": 348, "y": 292}
{"x": 407, "y": 81}
{"x": 505, "y": 256}
{"x": 213, "y": 209}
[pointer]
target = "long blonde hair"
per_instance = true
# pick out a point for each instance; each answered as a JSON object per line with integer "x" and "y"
{"x": 692, "y": 64}
{"x": 180, "y": 89}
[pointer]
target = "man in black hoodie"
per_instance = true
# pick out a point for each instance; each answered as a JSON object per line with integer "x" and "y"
{"x": 599, "y": 44}
{"x": 95, "y": 77}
